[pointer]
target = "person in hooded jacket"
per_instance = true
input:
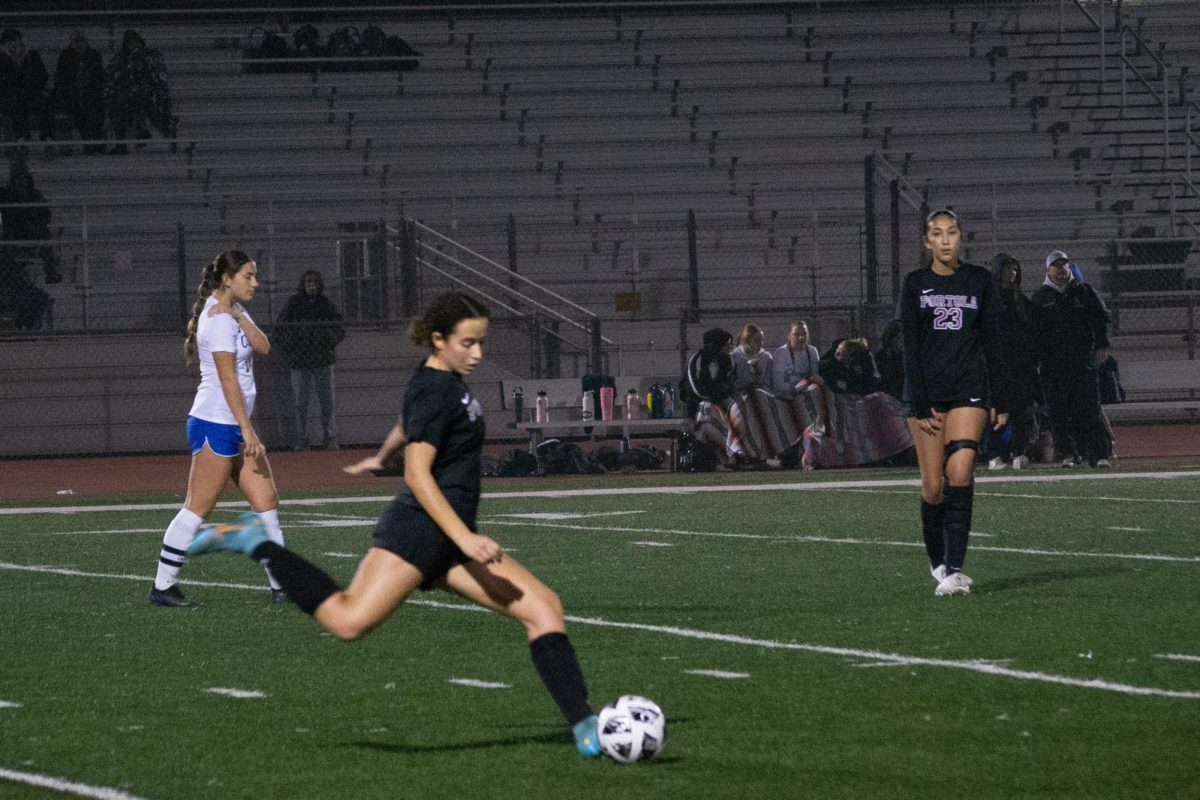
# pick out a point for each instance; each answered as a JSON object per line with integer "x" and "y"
{"x": 1071, "y": 325}
{"x": 1007, "y": 447}
{"x": 309, "y": 329}
{"x": 709, "y": 385}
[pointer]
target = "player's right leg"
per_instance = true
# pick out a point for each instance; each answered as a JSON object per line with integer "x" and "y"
{"x": 209, "y": 474}
{"x": 931, "y": 459}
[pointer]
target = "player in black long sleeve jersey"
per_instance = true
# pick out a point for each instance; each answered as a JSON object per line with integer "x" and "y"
{"x": 955, "y": 382}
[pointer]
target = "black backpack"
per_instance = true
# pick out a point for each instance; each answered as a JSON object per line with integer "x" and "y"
{"x": 517, "y": 464}
{"x": 696, "y": 456}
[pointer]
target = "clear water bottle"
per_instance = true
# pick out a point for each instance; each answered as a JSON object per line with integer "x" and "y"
{"x": 541, "y": 407}
{"x": 633, "y": 402}
{"x": 588, "y": 408}
{"x": 668, "y": 401}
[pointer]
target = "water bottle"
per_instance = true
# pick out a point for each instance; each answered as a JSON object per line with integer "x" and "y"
{"x": 669, "y": 401}
{"x": 588, "y": 409}
{"x": 541, "y": 407}
{"x": 650, "y": 401}
{"x": 518, "y": 406}
{"x": 632, "y": 402}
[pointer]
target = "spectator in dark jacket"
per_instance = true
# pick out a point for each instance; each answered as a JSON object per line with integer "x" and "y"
{"x": 889, "y": 360}
{"x": 1071, "y": 325}
{"x": 848, "y": 368}
{"x": 79, "y": 89}
{"x": 23, "y": 79}
{"x": 1007, "y": 446}
{"x": 25, "y": 218}
{"x": 307, "y": 333}
{"x": 136, "y": 91}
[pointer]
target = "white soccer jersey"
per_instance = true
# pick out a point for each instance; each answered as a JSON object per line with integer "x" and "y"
{"x": 222, "y": 334}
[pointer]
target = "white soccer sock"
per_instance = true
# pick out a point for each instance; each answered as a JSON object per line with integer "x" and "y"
{"x": 171, "y": 558}
{"x": 270, "y": 520}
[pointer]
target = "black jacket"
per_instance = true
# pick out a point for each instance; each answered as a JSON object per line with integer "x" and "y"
{"x": 308, "y": 330}
{"x": 1069, "y": 327}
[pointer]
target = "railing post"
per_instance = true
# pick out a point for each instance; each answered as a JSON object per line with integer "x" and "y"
{"x": 684, "y": 318}
{"x": 894, "y": 234}
{"x": 185, "y": 311}
{"x": 595, "y": 351}
{"x": 872, "y": 254}
{"x": 693, "y": 262}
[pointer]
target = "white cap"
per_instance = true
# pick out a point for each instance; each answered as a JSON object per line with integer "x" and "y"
{"x": 1056, "y": 255}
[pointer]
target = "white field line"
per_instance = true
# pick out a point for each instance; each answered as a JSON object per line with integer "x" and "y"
{"x": 121, "y": 530}
{"x": 240, "y": 694}
{"x": 563, "y": 515}
{"x": 971, "y": 665}
{"x": 1016, "y": 496}
{"x": 332, "y": 554}
{"x": 65, "y": 786}
{"x": 1177, "y": 657}
{"x": 813, "y": 486}
{"x": 718, "y": 673}
{"x": 1028, "y": 551}
{"x": 9, "y": 704}
{"x": 478, "y": 684}
{"x": 653, "y": 544}
{"x": 1133, "y": 530}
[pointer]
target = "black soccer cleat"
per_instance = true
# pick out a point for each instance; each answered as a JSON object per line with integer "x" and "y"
{"x": 168, "y": 598}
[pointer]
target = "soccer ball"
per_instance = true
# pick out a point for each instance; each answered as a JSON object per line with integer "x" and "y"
{"x": 632, "y": 728}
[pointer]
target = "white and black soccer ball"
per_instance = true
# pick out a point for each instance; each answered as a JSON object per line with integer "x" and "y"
{"x": 632, "y": 728}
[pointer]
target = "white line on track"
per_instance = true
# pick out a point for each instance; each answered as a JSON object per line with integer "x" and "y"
{"x": 1177, "y": 657}
{"x": 478, "y": 684}
{"x": 812, "y": 486}
{"x": 240, "y": 694}
{"x": 972, "y": 665}
{"x": 1028, "y": 551}
{"x": 65, "y": 786}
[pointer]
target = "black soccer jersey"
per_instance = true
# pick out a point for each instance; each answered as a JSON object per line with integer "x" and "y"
{"x": 439, "y": 410}
{"x": 952, "y": 325}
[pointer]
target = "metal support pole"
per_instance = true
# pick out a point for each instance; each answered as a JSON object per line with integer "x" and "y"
{"x": 595, "y": 351}
{"x": 693, "y": 263}
{"x": 871, "y": 254}
{"x": 894, "y": 235}
{"x": 683, "y": 338}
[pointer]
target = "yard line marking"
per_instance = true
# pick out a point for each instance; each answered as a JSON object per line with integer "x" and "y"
{"x": 240, "y": 694}
{"x": 810, "y": 486}
{"x": 1135, "y": 530}
{"x": 66, "y": 786}
{"x": 555, "y": 515}
{"x": 1028, "y": 551}
{"x": 653, "y": 544}
{"x": 1015, "y": 495}
{"x": 122, "y": 530}
{"x": 478, "y": 684}
{"x": 9, "y": 704}
{"x": 341, "y": 555}
{"x": 1177, "y": 657}
{"x": 717, "y": 673}
{"x": 337, "y": 523}
{"x": 972, "y": 665}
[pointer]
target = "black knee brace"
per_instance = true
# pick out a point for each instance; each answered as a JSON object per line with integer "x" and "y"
{"x": 960, "y": 444}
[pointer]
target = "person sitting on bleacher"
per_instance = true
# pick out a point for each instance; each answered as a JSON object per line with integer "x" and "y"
{"x": 752, "y": 364}
{"x": 25, "y": 217}
{"x": 709, "y": 383}
{"x": 79, "y": 90}
{"x": 794, "y": 364}
{"x": 23, "y": 79}
{"x": 137, "y": 92}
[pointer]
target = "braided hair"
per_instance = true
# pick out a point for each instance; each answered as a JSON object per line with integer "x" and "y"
{"x": 229, "y": 262}
{"x": 443, "y": 316}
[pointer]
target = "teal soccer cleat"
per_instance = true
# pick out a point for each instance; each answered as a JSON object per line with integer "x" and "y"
{"x": 242, "y": 537}
{"x": 587, "y": 737}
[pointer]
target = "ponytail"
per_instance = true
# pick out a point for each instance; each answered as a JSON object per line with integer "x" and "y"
{"x": 228, "y": 262}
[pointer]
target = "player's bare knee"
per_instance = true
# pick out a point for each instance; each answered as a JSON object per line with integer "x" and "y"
{"x": 545, "y": 614}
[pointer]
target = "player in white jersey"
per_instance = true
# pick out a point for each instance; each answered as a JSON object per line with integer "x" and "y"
{"x": 223, "y": 442}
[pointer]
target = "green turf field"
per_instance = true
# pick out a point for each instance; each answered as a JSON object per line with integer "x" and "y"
{"x": 789, "y": 632}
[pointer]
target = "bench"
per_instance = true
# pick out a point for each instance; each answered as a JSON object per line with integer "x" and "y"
{"x": 1158, "y": 391}
{"x": 565, "y": 396}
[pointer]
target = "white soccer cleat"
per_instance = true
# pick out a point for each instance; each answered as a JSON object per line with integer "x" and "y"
{"x": 938, "y": 573}
{"x": 1101, "y": 463}
{"x": 954, "y": 583}
{"x": 997, "y": 463}
{"x": 1021, "y": 462}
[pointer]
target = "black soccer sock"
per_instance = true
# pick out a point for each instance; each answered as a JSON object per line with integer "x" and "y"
{"x": 556, "y": 664}
{"x": 933, "y": 520}
{"x": 307, "y": 585}
{"x": 959, "y": 500}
